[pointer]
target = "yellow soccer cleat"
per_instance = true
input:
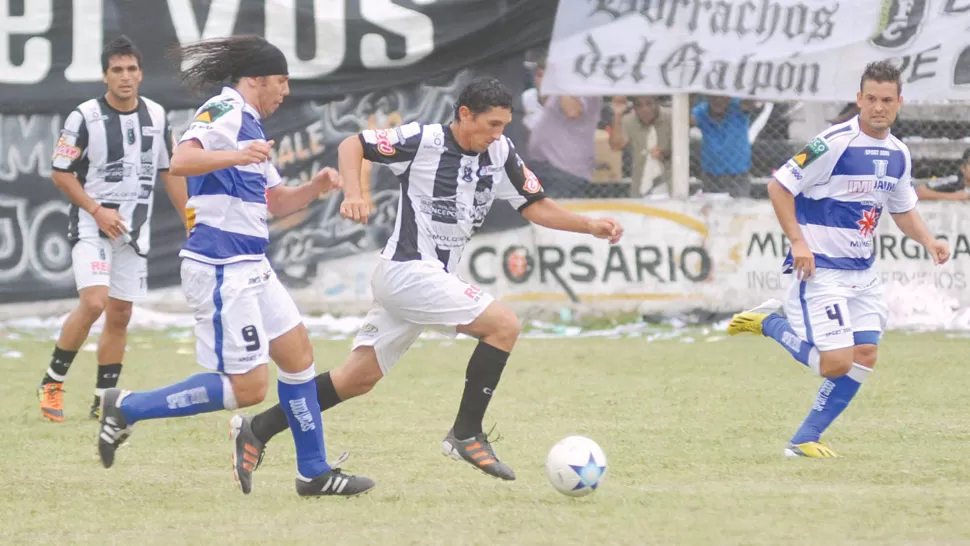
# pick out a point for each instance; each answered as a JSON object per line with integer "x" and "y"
{"x": 812, "y": 450}
{"x": 750, "y": 321}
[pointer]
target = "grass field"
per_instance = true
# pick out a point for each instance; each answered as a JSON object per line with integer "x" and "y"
{"x": 693, "y": 432}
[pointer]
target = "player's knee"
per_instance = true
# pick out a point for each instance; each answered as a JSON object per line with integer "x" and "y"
{"x": 118, "y": 315}
{"x": 866, "y": 355}
{"x": 507, "y": 330}
{"x": 92, "y": 305}
{"x": 249, "y": 393}
{"x": 358, "y": 375}
{"x": 836, "y": 363}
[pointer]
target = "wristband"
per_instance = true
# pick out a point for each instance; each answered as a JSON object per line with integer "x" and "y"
{"x": 96, "y": 209}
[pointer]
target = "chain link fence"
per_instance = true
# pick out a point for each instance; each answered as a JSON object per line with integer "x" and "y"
{"x": 735, "y": 144}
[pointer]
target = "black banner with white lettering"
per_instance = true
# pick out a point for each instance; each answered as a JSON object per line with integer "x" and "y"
{"x": 35, "y": 255}
{"x": 52, "y": 62}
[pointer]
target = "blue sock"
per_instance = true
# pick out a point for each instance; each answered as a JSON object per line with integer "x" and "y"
{"x": 833, "y": 397}
{"x": 298, "y": 398}
{"x": 777, "y": 328}
{"x": 201, "y": 393}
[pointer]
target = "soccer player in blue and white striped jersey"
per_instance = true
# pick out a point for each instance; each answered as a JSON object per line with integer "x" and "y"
{"x": 828, "y": 199}
{"x": 243, "y": 313}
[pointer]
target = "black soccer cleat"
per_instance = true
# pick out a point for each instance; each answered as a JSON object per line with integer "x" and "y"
{"x": 334, "y": 482}
{"x": 114, "y": 428}
{"x": 247, "y": 451}
{"x": 478, "y": 452}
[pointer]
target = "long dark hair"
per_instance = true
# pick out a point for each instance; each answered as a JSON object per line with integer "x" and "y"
{"x": 218, "y": 61}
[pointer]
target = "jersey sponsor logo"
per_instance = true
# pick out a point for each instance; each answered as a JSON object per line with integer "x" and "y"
{"x": 866, "y": 186}
{"x": 795, "y": 171}
{"x": 532, "y": 184}
{"x": 213, "y": 112}
{"x": 488, "y": 170}
{"x": 811, "y": 152}
{"x": 384, "y": 146}
{"x": 66, "y": 150}
{"x": 867, "y": 224}
{"x": 149, "y": 131}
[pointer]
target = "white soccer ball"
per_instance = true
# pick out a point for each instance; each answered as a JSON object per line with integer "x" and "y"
{"x": 576, "y": 466}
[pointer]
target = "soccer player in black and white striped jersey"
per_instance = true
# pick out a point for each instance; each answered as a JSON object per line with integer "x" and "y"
{"x": 450, "y": 174}
{"x": 106, "y": 161}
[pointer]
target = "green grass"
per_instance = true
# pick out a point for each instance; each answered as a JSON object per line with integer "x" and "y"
{"x": 693, "y": 432}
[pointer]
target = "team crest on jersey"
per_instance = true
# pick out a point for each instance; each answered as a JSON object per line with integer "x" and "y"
{"x": 532, "y": 184}
{"x": 811, "y": 152}
{"x": 466, "y": 173}
{"x": 384, "y": 146}
{"x": 213, "y": 112}
{"x": 881, "y": 166}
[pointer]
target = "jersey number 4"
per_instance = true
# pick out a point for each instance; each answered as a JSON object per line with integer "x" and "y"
{"x": 834, "y": 312}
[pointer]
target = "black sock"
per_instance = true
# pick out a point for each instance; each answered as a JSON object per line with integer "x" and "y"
{"x": 60, "y": 362}
{"x": 107, "y": 379}
{"x": 273, "y": 421}
{"x": 484, "y": 370}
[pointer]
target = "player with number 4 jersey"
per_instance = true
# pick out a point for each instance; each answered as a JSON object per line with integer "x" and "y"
{"x": 829, "y": 199}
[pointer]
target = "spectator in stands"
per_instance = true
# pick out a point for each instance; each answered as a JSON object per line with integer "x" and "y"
{"x": 532, "y": 101}
{"x": 725, "y": 146}
{"x": 561, "y": 149}
{"x": 645, "y": 133}
{"x": 951, "y": 188}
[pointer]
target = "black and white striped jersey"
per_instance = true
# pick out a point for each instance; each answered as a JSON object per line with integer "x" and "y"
{"x": 116, "y": 156}
{"x": 445, "y": 191}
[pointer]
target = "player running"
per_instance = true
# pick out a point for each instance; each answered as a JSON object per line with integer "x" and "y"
{"x": 450, "y": 174}
{"x": 106, "y": 161}
{"x": 828, "y": 199}
{"x": 243, "y": 314}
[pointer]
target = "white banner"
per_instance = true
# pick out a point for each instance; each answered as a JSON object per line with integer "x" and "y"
{"x": 764, "y": 49}
{"x": 714, "y": 256}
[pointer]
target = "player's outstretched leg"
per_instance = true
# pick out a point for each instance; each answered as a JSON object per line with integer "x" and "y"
{"x": 766, "y": 320}
{"x": 120, "y": 410}
{"x": 497, "y": 330}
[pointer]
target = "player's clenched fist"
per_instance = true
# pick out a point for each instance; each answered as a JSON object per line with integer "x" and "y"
{"x": 257, "y": 152}
{"x": 356, "y": 209}
{"x": 607, "y": 228}
{"x": 327, "y": 179}
{"x": 939, "y": 250}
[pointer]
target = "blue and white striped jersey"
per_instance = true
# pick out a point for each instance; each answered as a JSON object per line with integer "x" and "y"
{"x": 226, "y": 210}
{"x": 842, "y": 181}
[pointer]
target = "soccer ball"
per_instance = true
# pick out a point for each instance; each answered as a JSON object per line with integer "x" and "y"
{"x": 576, "y": 466}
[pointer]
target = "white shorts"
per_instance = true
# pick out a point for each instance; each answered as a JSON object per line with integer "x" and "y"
{"x": 410, "y": 297}
{"x": 837, "y": 309}
{"x": 98, "y": 261}
{"x": 239, "y": 308}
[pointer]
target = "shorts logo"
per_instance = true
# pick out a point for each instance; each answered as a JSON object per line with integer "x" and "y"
{"x": 384, "y": 146}
{"x": 369, "y": 329}
{"x": 473, "y": 292}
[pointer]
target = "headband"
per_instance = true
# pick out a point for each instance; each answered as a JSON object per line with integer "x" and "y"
{"x": 268, "y": 60}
